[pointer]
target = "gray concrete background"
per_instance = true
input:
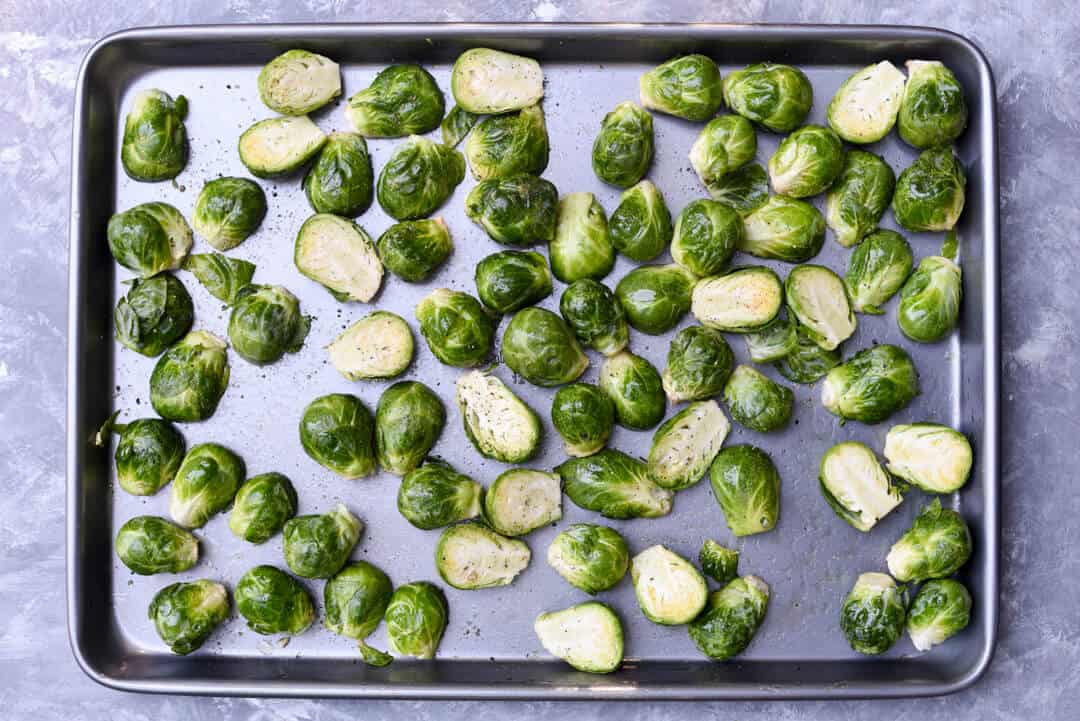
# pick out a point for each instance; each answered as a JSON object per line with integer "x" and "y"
{"x": 1034, "y": 48}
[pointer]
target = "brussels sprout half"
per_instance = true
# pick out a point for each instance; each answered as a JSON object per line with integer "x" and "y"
{"x": 726, "y": 143}
{"x": 746, "y": 299}
{"x": 859, "y": 197}
{"x": 818, "y": 299}
{"x": 614, "y": 485}
{"x": 266, "y": 323}
{"x": 155, "y": 313}
{"x": 706, "y": 235}
{"x": 512, "y": 279}
{"x": 337, "y": 432}
{"x": 930, "y": 300}
{"x": 186, "y": 613}
{"x": 623, "y": 150}
{"x": 669, "y": 590}
{"x": 773, "y": 342}
{"x": 149, "y": 238}
{"x": 783, "y": 229}
{"x": 272, "y": 601}
{"x": 941, "y": 609}
{"x": 541, "y": 348}
{"x": 930, "y": 192}
{"x": 635, "y": 387}
{"x": 584, "y": 416}
{"x": 279, "y": 146}
{"x": 418, "y": 177}
{"x": 932, "y": 111}
{"x": 228, "y": 210}
{"x": 699, "y": 362}
{"x": 937, "y": 545}
{"x": 501, "y": 146}
{"x": 416, "y": 618}
{"x": 930, "y": 456}
{"x": 807, "y": 162}
{"x": 747, "y": 487}
{"x": 456, "y": 328}
{"x": 640, "y": 228}
{"x": 413, "y": 250}
{"x": 522, "y": 500}
{"x": 471, "y": 556}
{"x": 456, "y": 125}
{"x": 595, "y": 315}
{"x": 516, "y": 210}
{"x": 864, "y": 108}
{"x": 148, "y": 453}
{"x": 401, "y": 100}
{"x": 222, "y": 276}
{"x": 687, "y": 87}
{"x": 590, "y": 557}
{"x": 587, "y": 636}
{"x": 435, "y": 495}
{"x": 719, "y": 563}
{"x": 189, "y": 379}
{"x": 155, "y": 143}
{"x": 491, "y": 81}
{"x": 756, "y": 402}
{"x": 777, "y": 97}
{"x": 855, "y": 485}
{"x": 498, "y": 423}
{"x": 685, "y": 445}
{"x": 378, "y": 346}
{"x": 149, "y": 545}
{"x": 872, "y": 616}
{"x": 655, "y": 297}
{"x": 871, "y": 385}
{"x": 339, "y": 255}
{"x": 205, "y": 484}
{"x": 408, "y": 421}
{"x": 299, "y": 82}
{"x": 341, "y": 180}
{"x": 745, "y": 189}
{"x": 731, "y": 618}
{"x": 582, "y": 246}
{"x": 356, "y": 598}
{"x": 876, "y": 270}
{"x": 318, "y": 545}
{"x": 807, "y": 362}
{"x": 262, "y": 506}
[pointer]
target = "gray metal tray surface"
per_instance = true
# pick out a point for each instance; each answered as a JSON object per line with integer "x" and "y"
{"x": 490, "y": 651}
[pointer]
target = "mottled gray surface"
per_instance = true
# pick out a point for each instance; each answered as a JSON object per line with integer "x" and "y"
{"x": 1033, "y": 48}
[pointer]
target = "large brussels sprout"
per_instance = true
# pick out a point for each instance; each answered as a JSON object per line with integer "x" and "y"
{"x": 418, "y": 178}
{"x": 687, "y": 87}
{"x": 640, "y": 228}
{"x": 936, "y": 546}
{"x": 505, "y": 145}
{"x": 614, "y": 485}
{"x": 318, "y": 545}
{"x": 401, "y": 100}
{"x": 930, "y": 456}
{"x": 416, "y": 618}
{"x": 747, "y": 487}
{"x": 669, "y": 590}
{"x": 149, "y": 238}
{"x": 731, "y": 618}
{"x": 745, "y": 189}
{"x": 932, "y": 111}
{"x": 930, "y": 192}
{"x": 745, "y": 300}
{"x": 635, "y": 387}
{"x": 512, "y": 279}
{"x": 941, "y": 609}
{"x": 498, "y": 423}
{"x": 773, "y": 342}
{"x": 930, "y": 300}
{"x": 590, "y": 557}
{"x": 456, "y": 328}
{"x": 340, "y": 256}
{"x": 279, "y": 146}
{"x": 623, "y": 150}
{"x": 148, "y": 453}
{"x": 807, "y": 362}
{"x": 408, "y": 421}
{"x": 262, "y": 506}
{"x": 726, "y": 143}
{"x": 878, "y": 266}
{"x": 155, "y": 144}
{"x": 699, "y": 362}
{"x": 864, "y": 108}
{"x": 521, "y": 500}
{"x": 706, "y": 235}
{"x": 149, "y": 545}
{"x": 818, "y": 299}
{"x": 784, "y": 229}
{"x": 596, "y": 317}
{"x": 435, "y": 495}
{"x": 777, "y": 97}
{"x": 855, "y": 485}
{"x": 355, "y": 599}
{"x": 516, "y": 210}
{"x": 341, "y": 179}
{"x": 587, "y": 636}
{"x": 266, "y": 323}
{"x": 871, "y": 385}
{"x": 272, "y": 601}
{"x": 582, "y": 246}
{"x": 584, "y": 416}
{"x": 378, "y": 346}
{"x": 205, "y": 484}
{"x": 471, "y": 556}
{"x": 685, "y": 445}
{"x": 456, "y": 125}
{"x": 155, "y": 313}
{"x": 228, "y": 210}
{"x": 222, "y": 276}
{"x": 338, "y": 433}
{"x": 756, "y": 401}
{"x": 872, "y": 616}
{"x": 719, "y": 563}
{"x": 807, "y": 162}
{"x": 414, "y": 249}
{"x": 860, "y": 196}
{"x": 189, "y": 380}
{"x": 186, "y": 613}
{"x": 299, "y": 82}
{"x": 655, "y": 297}
{"x": 492, "y": 81}
{"x": 541, "y": 348}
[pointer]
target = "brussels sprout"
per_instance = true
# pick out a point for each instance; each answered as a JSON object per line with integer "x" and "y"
{"x": 727, "y": 143}
{"x": 932, "y": 457}
{"x": 859, "y": 197}
{"x": 683, "y": 447}
{"x": 718, "y": 562}
{"x": 155, "y": 144}
{"x": 590, "y": 557}
{"x": 341, "y": 179}
{"x": 623, "y": 150}
{"x": 864, "y": 108}
{"x": 401, "y": 100}
{"x": 706, "y": 234}
{"x": 435, "y": 495}
{"x": 777, "y": 97}
{"x": 587, "y": 636}
{"x": 190, "y": 378}
{"x": 747, "y": 487}
{"x": 512, "y": 279}
{"x": 582, "y": 246}
{"x": 930, "y": 192}
{"x": 941, "y": 609}
{"x": 807, "y": 162}
{"x": 640, "y": 228}
{"x": 937, "y": 545}
{"x": 205, "y": 484}
{"x": 932, "y": 111}
{"x": 614, "y": 485}
{"x": 378, "y": 346}
{"x": 635, "y": 387}
{"x": 501, "y": 146}
{"x": 228, "y": 210}
{"x": 279, "y": 146}
{"x": 491, "y": 81}
{"x": 265, "y": 323}
{"x": 416, "y": 618}
{"x": 471, "y": 556}
{"x": 541, "y": 348}
{"x": 339, "y": 255}
{"x": 745, "y": 189}
{"x": 669, "y": 590}
{"x": 687, "y": 87}
{"x": 356, "y": 598}
{"x": 584, "y": 416}
{"x": 522, "y": 500}
{"x": 773, "y": 342}
{"x": 855, "y": 485}
{"x": 262, "y": 506}
{"x": 186, "y": 613}
{"x": 499, "y": 424}
{"x": 149, "y": 545}
{"x": 456, "y": 328}
{"x": 517, "y": 210}
{"x": 414, "y": 249}
{"x": 699, "y": 362}
{"x": 731, "y": 619}
{"x": 807, "y": 361}
{"x": 655, "y": 297}
{"x": 299, "y": 82}
{"x": 872, "y": 617}
{"x": 745, "y": 300}
{"x": 318, "y": 545}
{"x": 418, "y": 178}
{"x": 272, "y": 601}
{"x": 930, "y": 300}
{"x": 783, "y": 229}
{"x": 155, "y": 314}
{"x": 818, "y": 299}
{"x": 456, "y": 125}
{"x": 338, "y": 433}
{"x": 756, "y": 402}
{"x": 149, "y": 238}
{"x": 595, "y": 316}
{"x": 871, "y": 385}
{"x": 148, "y": 453}
{"x": 222, "y": 276}
{"x": 408, "y": 421}
{"x": 876, "y": 270}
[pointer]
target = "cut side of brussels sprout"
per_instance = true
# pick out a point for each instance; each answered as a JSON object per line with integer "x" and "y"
{"x": 623, "y": 150}
{"x": 262, "y": 506}
{"x": 773, "y": 342}
{"x": 818, "y": 299}
{"x": 930, "y": 300}
{"x": 228, "y": 210}
{"x": 149, "y": 545}
{"x": 855, "y": 485}
{"x": 864, "y": 109}
{"x": 541, "y": 348}
{"x": 777, "y": 97}
{"x": 341, "y": 181}
{"x": 859, "y": 197}
{"x": 685, "y": 445}
{"x": 435, "y": 495}
{"x": 876, "y": 270}
{"x": 635, "y": 387}
{"x": 266, "y": 323}
{"x": 655, "y": 297}
{"x": 155, "y": 144}
{"x": 186, "y": 613}
{"x": 498, "y": 423}
{"x": 337, "y": 432}
{"x": 584, "y": 416}
{"x": 456, "y": 125}
{"x": 929, "y": 193}
{"x": 408, "y": 421}
{"x": 744, "y": 300}
{"x": 719, "y": 563}
{"x": 154, "y": 314}
{"x": 614, "y": 485}
{"x": 590, "y": 557}
{"x": 807, "y": 362}
{"x": 189, "y": 379}
{"x": 640, "y": 228}
{"x": 272, "y": 601}
{"x": 595, "y": 315}
{"x": 457, "y": 329}
{"x": 932, "y": 111}
{"x": 726, "y": 143}
{"x": 687, "y": 87}
{"x": 783, "y": 229}
{"x": 522, "y": 500}
{"x": 706, "y": 235}
{"x": 471, "y": 556}
{"x": 756, "y": 402}
{"x": 501, "y": 146}
{"x": 871, "y": 385}
{"x": 937, "y": 545}
{"x": 416, "y": 619}
{"x": 807, "y": 162}
{"x": 278, "y": 146}
{"x": 205, "y": 484}
{"x": 747, "y": 487}
{"x": 941, "y": 609}
{"x": 414, "y": 249}
{"x": 489, "y": 81}
{"x": 299, "y": 82}
{"x": 731, "y": 618}
{"x": 339, "y": 255}
{"x": 378, "y": 346}
{"x": 932, "y": 457}
{"x": 512, "y": 279}
{"x": 587, "y": 636}
{"x": 319, "y": 545}
{"x": 517, "y": 210}
{"x": 149, "y": 238}
{"x": 745, "y": 189}
{"x": 669, "y": 590}
{"x": 699, "y": 362}
{"x": 355, "y": 600}
{"x": 222, "y": 276}
{"x": 401, "y": 100}
{"x": 418, "y": 178}
{"x": 582, "y": 246}
{"x": 872, "y": 617}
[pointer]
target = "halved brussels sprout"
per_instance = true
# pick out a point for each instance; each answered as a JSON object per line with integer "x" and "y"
{"x": 807, "y": 362}
{"x": 355, "y": 600}
{"x": 299, "y": 82}
{"x": 471, "y": 556}
{"x": 584, "y": 416}
{"x": 936, "y": 546}
{"x": 318, "y": 545}
{"x": 669, "y": 590}
{"x": 222, "y": 276}
{"x": 590, "y": 557}
{"x": 435, "y": 495}
{"x": 933, "y": 111}
{"x": 408, "y": 421}
{"x": 635, "y": 387}
{"x": 855, "y": 485}
{"x": 807, "y": 162}
{"x": 338, "y": 433}
{"x": 656, "y": 297}
{"x": 512, "y": 279}
{"x": 941, "y": 609}
{"x": 859, "y": 197}
{"x": 266, "y": 323}
{"x": 190, "y": 378}
{"x": 582, "y": 246}
{"x": 418, "y": 177}
{"x": 687, "y": 87}
{"x": 401, "y": 100}
{"x": 155, "y": 313}
{"x": 818, "y": 299}
{"x": 262, "y": 506}
{"x": 456, "y": 328}
{"x": 640, "y": 228}
{"x": 501, "y": 146}
{"x": 228, "y": 210}
{"x": 731, "y": 619}
{"x": 623, "y": 150}
{"x": 783, "y": 229}
{"x": 930, "y": 300}
{"x": 876, "y": 270}
{"x": 414, "y": 249}
{"x": 596, "y": 317}
{"x": 777, "y": 97}
{"x": 149, "y": 238}
{"x": 456, "y": 125}
{"x": 378, "y": 346}
{"x": 186, "y": 613}
{"x": 499, "y": 424}
{"x": 339, "y": 255}
{"x": 706, "y": 235}
{"x": 491, "y": 81}
{"x": 872, "y": 617}
{"x": 699, "y": 362}
{"x": 522, "y": 500}
{"x": 155, "y": 144}
{"x": 149, "y": 545}
{"x": 148, "y": 453}
{"x": 756, "y": 401}
{"x": 930, "y": 192}
{"x": 685, "y": 445}
{"x": 930, "y": 456}
{"x": 614, "y": 485}
{"x": 341, "y": 179}
{"x": 517, "y": 210}
{"x": 864, "y": 108}
{"x": 205, "y": 484}
{"x": 745, "y": 300}
{"x": 773, "y": 342}
{"x": 279, "y": 146}
{"x": 587, "y": 636}
{"x": 745, "y": 189}
{"x": 541, "y": 348}
{"x": 871, "y": 385}
{"x": 726, "y": 143}
{"x": 272, "y": 601}
{"x": 747, "y": 487}
{"x": 718, "y": 562}
{"x": 416, "y": 618}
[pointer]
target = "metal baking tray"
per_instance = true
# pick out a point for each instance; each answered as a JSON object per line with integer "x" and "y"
{"x": 811, "y": 559}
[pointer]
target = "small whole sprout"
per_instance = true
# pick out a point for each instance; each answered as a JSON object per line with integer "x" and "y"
{"x": 941, "y": 609}
{"x": 155, "y": 143}
{"x": 517, "y": 210}
{"x": 699, "y": 362}
{"x": 933, "y": 111}
{"x": 228, "y": 210}
{"x": 155, "y": 314}
{"x": 807, "y": 362}
{"x": 731, "y": 618}
{"x": 757, "y": 402}
{"x": 936, "y": 546}
{"x": 541, "y": 348}
{"x": 272, "y": 601}
{"x": 745, "y": 300}
{"x": 685, "y": 445}
{"x": 501, "y": 146}
{"x": 262, "y": 506}
{"x": 318, "y": 545}
{"x": 456, "y": 125}
{"x": 471, "y": 556}
{"x": 355, "y": 599}
{"x": 408, "y": 421}
{"x": 719, "y": 563}
{"x": 341, "y": 180}
{"x": 149, "y": 545}
{"x": 148, "y": 454}
{"x": 522, "y": 500}
{"x": 492, "y": 81}
{"x": 706, "y": 235}
{"x": 818, "y": 300}
{"x": 186, "y": 613}
{"x": 509, "y": 280}
{"x": 747, "y": 487}
{"x": 205, "y": 484}
{"x": 859, "y": 197}
{"x": 640, "y": 228}
{"x": 877, "y": 269}
{"x": 590, "y": 557}
{"x": 190, "y": 378}
{"x": 726, "y": 143}
{"x": 784, "y": 229}
{"x": 435, "y": 495}
{"x": 338, "y": 433}
{"x": 930, "y": 300}
{"x": 687, "y": 87}
{"x": 276, "y": 147}
{"x": 872, "y": 616}
{"x": 340, "y": 256}
{"x": 871, "y": 385}
{"x": 864, "y": 108}
{"x": 414, "y": 249}
{"x": 222, "y": 276}
{"x": 745, "y": 189}
{"x": 587, "y": 636}
{"x": 401, "y": 100}
{"x": 596, "y": 317}
{"x": 266, "y": 323}
{"x": 614, "y": 485}
{"x": 623, "y": 150}
{"x": 376, "y": 347}
{"x": 855, "y": 485}
{"x": 416, "y": 618}
{"x": 299, "y": 82}
{"x": 456, "y": 328}
{"x": 149, "y": 238}
{"x": 807, "y": 162}
{"x": 582, "y": 246}
{"x": 930, "y": 192}
{"x": 418, "y": 177}
{"x": 777, "y": 97}
{"x": 669, "y": 590}
{"x": 635, "y": 387}
{"x": 773, "y": 342}
{"x": 929, "y": 456}
{"x": 498, "y": 423}
{"x": 584, "y": 416}
{"x": 655, "y": 297}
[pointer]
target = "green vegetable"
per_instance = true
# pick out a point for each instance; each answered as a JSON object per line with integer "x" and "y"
{"x": 941, "y": 610}
{"x": 871, "y": 385}
{"x": 855, "y": 485}
{"x": 149, "y": 545}
{"x": 687, "y": 87}
{"x": 299, "y": 82}
{"x": 279, "y": 146}
{"x": 699, "y": 362}
{"x": 706, "y": 235}
{"x": 516, "y": 210}
{"x": 777, "y": 97}
{"x": 818, "y": 299}
{"x": 726, "y": 143}
{"x": 614, "y": 485}
{"x": 456, "y": 328}
{"x": 864, "y": 108}
{"x": 148, "y": 453}
{"x": 341, "y": 179}
{"x": 435, "y": 495}
{"x": 756, "y": 402}
{"x": 408, "y": 421}
{"x": 807, "y": 361}
{"x": 745, "y": 300}
{"x": 932, "y": 112}
{"x": 596, "y": 317}
{"x": 872, "y": 617}
{"x": 587, "y": 636}
{"x": 522, "y": 500}
{"x": 189, "y": 379}
{"x": 272, "y": 601}
{"x": 590, "y": 557}
{"x": 623, "y": 150}
{"x": 228, "y": 210}
{"x": 640, "y": 228}
{"x": 773, "y": 342}
{"x": 731, "y": 618}
{"x": 930, "y": 300}
{"x": 685, "y": 445}
{"x": 501, "y": 146}
{"x": 149, "y": 238}
{"x": 498, "y": 423}
{"x": 418, "y": 177}
{"x": 414, "y": 249}
{"x": 318, "y": 545}
{"x": 416, "y": 618}
{"x": 471, "y": 556}
{"x": 205, "y": 484}
{"x": 378, "y": 346}
{"x": 635, "y": 387}
{"x": 512, "y": 279}
{"x": 669, "y": 590}
{"x": 859, "y": 197}
{"x": 807, "y": 162}
{"x": 581, "y": 247}
{"x": 339, "y": 255}
{"x": 355, "y": 600}
{"x": 401, "y": 100}
{"x": 932, "y": 457}
{"x": 266, "y": 323}
{"x": 930, "y": 192}
{"x": 541, "y": 348}
{"x": 655, "y": 297}
{"x": 745, "y": 189}
{"x": 876, "y": 270}
{"x": 338, "y": 433}
{"x": 456, "y": 125}
{"x": 492, "y": 81}
{"x": 747, "y": 487}
{"x": 155, "y": 313}
{"x": 784, "y": 229}
{"x": 155, "y": 144}
{"x": 222, "y": 276}
{"x": 936, "y": 546}
{"x": 262, "y": 506}
{"x": 718, "y": 562}
{"x": 584, "y": 416}
{"x": 186, "y": 613}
